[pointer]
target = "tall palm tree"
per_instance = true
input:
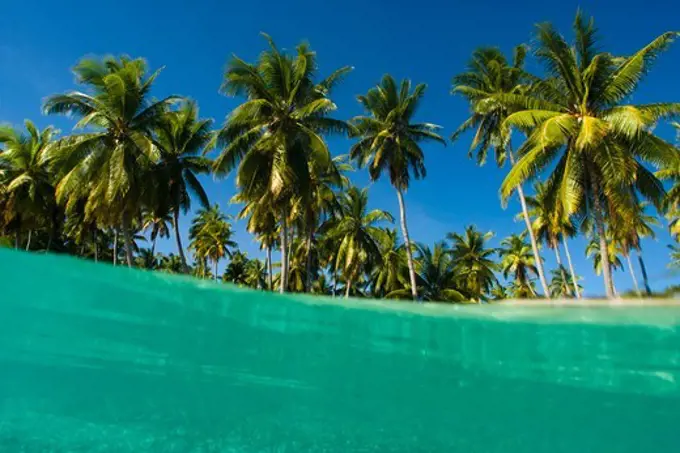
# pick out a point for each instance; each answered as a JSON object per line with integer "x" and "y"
{"x": 517, "y": 259}
{"x": 389, "y": 141}
{"x": 181, "y": 137}
{"x": 358, "y": 235}
{"x": 473, "y": 260}
{"x": 489, "y": 76}
{"x": 437, "y": 276}
{"x": 28, "y": 193}
{"x": 277, "y": 133}
{"x": 578, "y": 119}
{"x": 550, "y": 224}
{"x": 158, "y": 224}
{"x": 108, "y": 164}
{"x": 211, "y": 236}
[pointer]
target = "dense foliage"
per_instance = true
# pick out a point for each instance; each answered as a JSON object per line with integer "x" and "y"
{"x": 132, "y": 165}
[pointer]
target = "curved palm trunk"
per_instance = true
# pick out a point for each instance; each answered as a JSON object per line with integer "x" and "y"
{"x": 407, "y": 244}
{"x": 153, "y": 245}
{"x": 215, "y": 267}
{"x": 178, "y": 239}
{"x": 532, "y": 236}
{"x": 115, "y": 246}
{"x": 599, "y": 225}
{"x": 571, "y": 268}
{"x": 284, "y": 251}
{"x": 534, "y": 243}
{"x": 632, "y": 275}
{"x": 558, "y": 257}
{"x": 128, "y": 239}
{"x": 643, "y": 270}
{"x": 28, "y": 241}
{"x": 269, "y": 268}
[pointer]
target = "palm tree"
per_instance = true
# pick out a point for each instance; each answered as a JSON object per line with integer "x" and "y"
{"x": 237, "y": 269}
{"x": 158, "y": 224}
{"x": 576, "y": 118}
{"x": 437, "y": 276}
{"x": 550, "y": 224}
{"x": 210, "y": 235}
{"x": 562, "y": 285}
{"x": 108, "y": 165}
{"x": 390, "y": 142}
{"x": 181, "y": 137}
{"x": 28, "y": 193}
{"x": 611, "y": 259}
{"x": 488, "y": 77}
{"x": 256, "y": 274}
{"x": 473, "y": 262}
{"x": 628, "y": 227}
{"x": 276, "y": 134}
{"x": 391, "y": 273}
{"x": 518, "y": 259}
{"x": 146, "y": 259}
{"x": 358, "y": 235}
{"x": 172, "y": 264}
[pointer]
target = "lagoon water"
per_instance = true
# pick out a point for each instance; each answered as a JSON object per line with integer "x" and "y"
{"x": 101, "y": 359}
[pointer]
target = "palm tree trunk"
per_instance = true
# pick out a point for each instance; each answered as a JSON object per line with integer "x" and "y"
{"x": 632, "y": 275}
{"x": 115, "y": 246}
{"x": 128, "y": 239}
{"x": 178, "y": 239}
{"x": 284, "y": 251}
{"x": 532, "y": 236}
{"x": 407, "y": 245}
{"x": 571, "y": 268}
{"x": 308, "y": 266}
{"x": 643, "y": 270}
{"x": 348, "y": 288}
{"x": 16, "y": 240}
{"x": 153, "y": 245}
{"x": 558, "y": 257}
{"x": 215, "y": 267}
{"x": 269, "y": 267}
{"x": 28, "y": 241}
{"x": 96, "y": 247}
{"x": 599, "y": 225}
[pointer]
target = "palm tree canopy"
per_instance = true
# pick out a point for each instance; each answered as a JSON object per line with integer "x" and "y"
{"x": 576, "y": 118}
{"x": 357, "y": 232}
{"x": 26, "y": 182}
{"x": 388, "y": 139}
{"x": 106, "y": 164}
{"x": 473, "y": 261}
{"x": 181, "y": 136}
{"x": 489, "y": 75}
{"x": 275, "y": 134}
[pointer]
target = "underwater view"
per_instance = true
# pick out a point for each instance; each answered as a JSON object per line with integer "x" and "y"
{"x": 101, "y": 359}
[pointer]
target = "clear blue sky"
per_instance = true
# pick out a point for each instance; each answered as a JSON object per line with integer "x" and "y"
{"x": 427, "y": 42}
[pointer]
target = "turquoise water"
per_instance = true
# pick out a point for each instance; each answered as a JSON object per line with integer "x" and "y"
{"x": 102, "y": 359}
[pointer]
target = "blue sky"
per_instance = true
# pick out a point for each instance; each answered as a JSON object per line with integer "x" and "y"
{"x": 41, "y": 41}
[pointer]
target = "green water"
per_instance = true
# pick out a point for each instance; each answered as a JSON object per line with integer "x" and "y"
{"x": 102, "y": 359}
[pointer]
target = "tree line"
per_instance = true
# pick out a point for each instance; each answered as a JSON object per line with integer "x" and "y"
{"x": 133, "y": 162}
